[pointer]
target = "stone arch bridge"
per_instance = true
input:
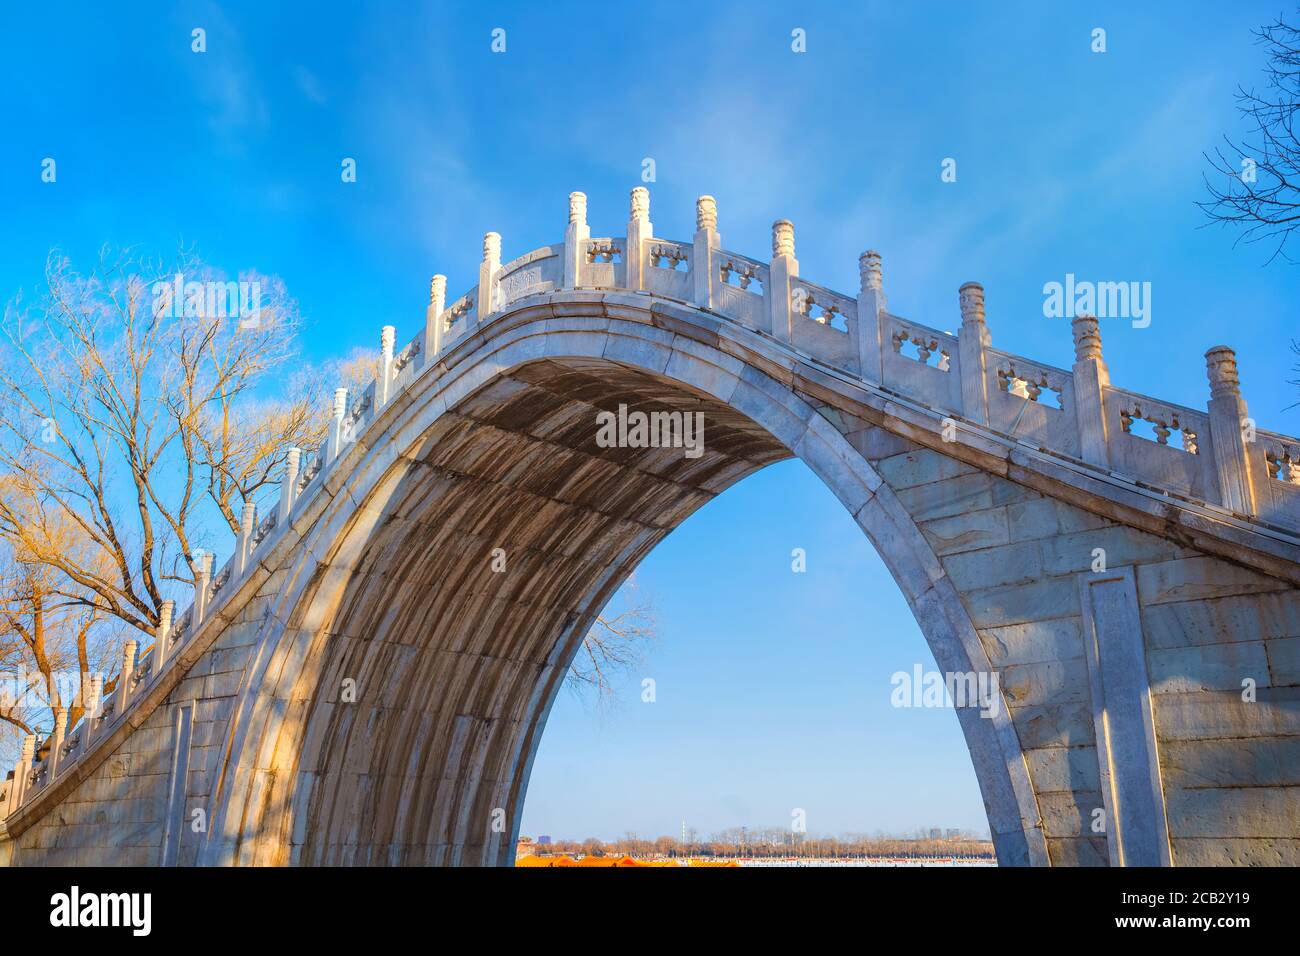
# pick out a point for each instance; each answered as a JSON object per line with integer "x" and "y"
{"x": 357, "y": 685}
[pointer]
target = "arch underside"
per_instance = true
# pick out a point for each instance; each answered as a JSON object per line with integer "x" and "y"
{"x": 456, "y": 664}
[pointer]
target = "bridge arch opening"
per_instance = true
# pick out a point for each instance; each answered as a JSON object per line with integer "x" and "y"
{"x": 774, "y": 720}
{"x": 430, "y": 622}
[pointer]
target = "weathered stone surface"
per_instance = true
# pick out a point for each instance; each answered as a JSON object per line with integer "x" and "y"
{"x": 1265, "y": 762}
{"x": 1206, "y": 667}
{"x": 1283, "y": 661}
{"x": 1023, "y": 603}
{"x": 1055, "y": 682}
{"x": 1066, "y": 553}
{"x": 1054, "y": 639}
{"x": 920, "y": 467}
{"x": 1054, "y": 725}
{"x": 1242, "y": 618}
{"x": 995, "y": 567}
{"x": 1198, "y": 578}
{"x": 1256, "y": 812}
{"x": 1236, "y": 852}
{"x": 942, "y": 499}
{"x": 1078, "y": 851}
{"x": 1213, "y": 714}
{"x": 1061, "y": 769}
{"x": 1070, "y": 814}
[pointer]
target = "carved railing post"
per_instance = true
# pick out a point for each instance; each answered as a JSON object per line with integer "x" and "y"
{"x": 485, "y": 301}
{"x": 1091, "y": 379}
{"x": 1228, "y": 416}
{"x": 639, "y": 231}
{"x": 56, "y": 742}
{"x": 94, "y": 697}
{"x": 783, "y": 268}
{"x": 163, "y": 643}
{"x": 433, "y": 319}
{"x": 387, "y": 338}
{"x": 22, "y": 770}
{"x": 575, "y": 239}
{"x": 871, "y": 305}
{"x": 202, "y": 582}
{"x": 244, "y": 543}
{"x": 972, "y": 343}
{"x": 124, "y": 676}
{"x": 289, "y": 485}
{"x": 704, "y": 260}
{"x": 334, "y": 443}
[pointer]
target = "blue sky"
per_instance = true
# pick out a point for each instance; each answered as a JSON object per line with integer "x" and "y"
{"x": 772, "y": 687}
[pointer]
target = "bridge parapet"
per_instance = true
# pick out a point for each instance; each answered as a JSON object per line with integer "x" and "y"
{"x": 1217, "y": 457}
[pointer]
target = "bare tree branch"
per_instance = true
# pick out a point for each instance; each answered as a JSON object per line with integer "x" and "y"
{"x": 1253, "y": 183}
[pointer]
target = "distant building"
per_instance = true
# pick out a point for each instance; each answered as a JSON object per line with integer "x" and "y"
{"x": 543, "y": 840}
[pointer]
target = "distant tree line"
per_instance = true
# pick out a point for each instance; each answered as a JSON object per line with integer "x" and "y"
{"x": 776, "y": 843}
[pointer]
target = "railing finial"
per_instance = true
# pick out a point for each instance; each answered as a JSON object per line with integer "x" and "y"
{"x": 163, "y": 643}
{"x": 869, "y": 275}
{"x": 1221, "y": 367}
{"x": 973, "y": 341}
{"x": 706, "y": 213}
{"x": 971, "y": 299}
{"x": 1231, "y": 433}
{"x": 578, "y": 208}
{"x": 640, "y": 204}
{"x": 94, "y": 697}
{"x": 1087, "y": 337}
{"x": 289, "y": 484}
{"x": 433, "y": 319}
{"x": 492, "y": 247}
{"x": 576, "y": 235}
{"x": 783, "y": 238}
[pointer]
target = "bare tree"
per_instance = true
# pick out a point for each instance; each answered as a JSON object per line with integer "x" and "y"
{"x": 615, "y": 644}
{"x": 131, "y": 432}
{"x": 1254, "y": 183}
{"x": 132, "y": 420}
{"x": 49, "y": 646}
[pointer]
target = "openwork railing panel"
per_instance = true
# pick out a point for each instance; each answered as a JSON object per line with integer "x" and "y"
{"x": 920, "y": 362}
{"x": 742, "y": 291}
{"x": 458, "y": 318}
{"x": 1031, "y": 402}
{"x": 1275, "y": 474}
{"x": 603, "y": 266}
{"x": 669, "y": 273}
{"x": 1161, "y": 444}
